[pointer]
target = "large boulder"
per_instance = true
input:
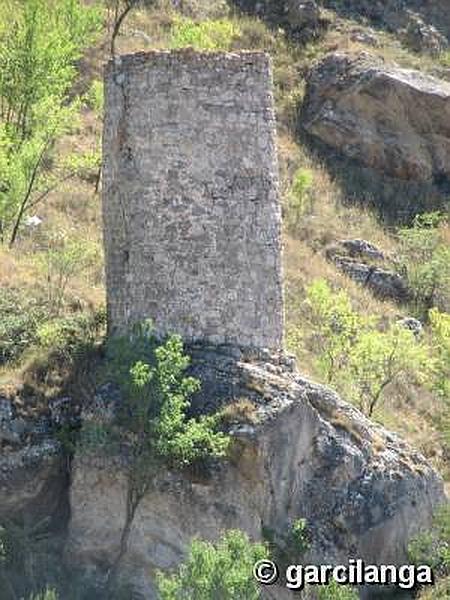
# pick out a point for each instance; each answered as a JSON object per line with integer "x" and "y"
{"x": 302, "y": 453}
{"x": 393, "y": 120}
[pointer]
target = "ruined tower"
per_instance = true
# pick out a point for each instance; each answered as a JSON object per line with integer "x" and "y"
{"x": 190, "y": 197}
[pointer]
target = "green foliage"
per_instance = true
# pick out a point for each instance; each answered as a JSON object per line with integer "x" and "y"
{"x": 64, "y": 259}
{"x": 334, "y": 591}
{"x": 152, "y": 423}
{"x": 223, "y": 570}
{"x": 377, "y": 359}
{"x": 425, "y": 257}
{"x": 300, "y": 198}
{"x": 433, "y": 547}
{"x": 68, "y": 336}
{"x": 157, "y": 394}
{"x": 356, "y": 355}
{"x": 19, "y": 319}
{"x": 95, "y": 97}
{"x": 40, "y": 41}
{"x": 298, "y": 538}
{"x": 440, "y": 336}
{"x": 336, "y": 327}
{"x": 205, "y": 35}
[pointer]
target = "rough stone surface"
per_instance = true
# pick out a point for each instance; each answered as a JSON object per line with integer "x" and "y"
{"x": 304, "y": 453}
{"x": 393, "y": 120}
{"x": 362, "y": 248}
{"x": 413, "y": 325}
{"x": 190, "y": 197}
{"x": 383, "y": 283}
{"x": 395, "y": 14}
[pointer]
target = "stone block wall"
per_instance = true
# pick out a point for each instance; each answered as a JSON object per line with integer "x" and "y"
{"x": 190, "y": 196}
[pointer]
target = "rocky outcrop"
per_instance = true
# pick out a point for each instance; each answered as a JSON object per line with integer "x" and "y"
{"x": 393, "y": 120}
{"x": 363, "y": 262}
{"x": 395, "y": 15}
{"x": 302, "y": 453}
{"x": 33, "y": 471}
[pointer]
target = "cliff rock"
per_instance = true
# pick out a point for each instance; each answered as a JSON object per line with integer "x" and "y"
{"x": 393, "y": 120}
{"x": 303, "y": 453}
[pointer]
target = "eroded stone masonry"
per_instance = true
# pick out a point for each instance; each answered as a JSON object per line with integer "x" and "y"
{"x": 190, "y": 197}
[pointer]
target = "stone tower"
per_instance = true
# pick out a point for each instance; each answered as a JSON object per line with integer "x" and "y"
{"x": 190, "y": 197}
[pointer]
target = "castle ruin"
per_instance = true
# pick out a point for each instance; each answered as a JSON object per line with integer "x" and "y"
{"x": 192, "y": 217}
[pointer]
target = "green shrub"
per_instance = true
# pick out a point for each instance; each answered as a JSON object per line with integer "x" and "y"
{"x": 425, "y": 256}
{"x": 19, "y": 319}
{"x": 440, "y": 339}
{"x": 298, "y": 539}
{"x": 153, "y": 422}
{"x": 433, "y": 547}
{"x": 358, "y": 357}
{"x": 64, "y": 259}
{"x": 68, "y": 336}
{"x": 223, "y": 570}
{"x": 334, "y": 591}
{"x": 39, "y": 47}
{"x": 205, "y": 35}
{"x": 300, "y": 198}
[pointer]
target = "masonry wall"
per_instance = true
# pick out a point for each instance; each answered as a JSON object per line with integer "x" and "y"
{"x": 190, "y": 197}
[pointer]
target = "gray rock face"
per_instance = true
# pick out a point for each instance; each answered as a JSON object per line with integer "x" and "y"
{"x": 396, "y": 14}
{"x": 393, "y": 120}
{"x": 190, "y": 197}
{"x": 33, "y": 470}
{"x": 306, "y": 453}
{"x": 362, "y": 261}
{"x": 413, "y": 325}
{"x": 383, "y": 283}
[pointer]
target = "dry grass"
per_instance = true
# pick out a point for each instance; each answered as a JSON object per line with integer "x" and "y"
{"x": 240, "y": 411}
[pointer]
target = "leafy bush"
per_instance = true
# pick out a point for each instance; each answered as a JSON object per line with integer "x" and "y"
{"x": 425, "y": 256}
{"x": 336, "y": 326}
{"x": 334, "y": 591}
{"x": 440, "y": 339}
{"x": 64, "y": 259}
{"x": 300, "y": 198}
{"x": 223, "y": 570}
{"x": 205, "y": 35}
{"x": 19, "y": 320}
{"x": 355, "y": 355}
{"x": 433, "y": 547}
{"x": 298, "y": 537}
{"x": 39, "y": 46}
{"x": 152, "y": 422}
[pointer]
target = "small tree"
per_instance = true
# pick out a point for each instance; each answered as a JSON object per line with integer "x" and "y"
{"x": 355, "y": 355}
{"x": 425, "y": 257}
{"x": 336, "y": 327}
{"x": 223, "y": 571}
{"x": 440, "y": 330}
{"x": 335, "y": 591}
{"x": 300, "y": 197}
{"x": 152, "y": 425}
{"x": 39, "y": 45}
{"x": 378, "y": 359}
